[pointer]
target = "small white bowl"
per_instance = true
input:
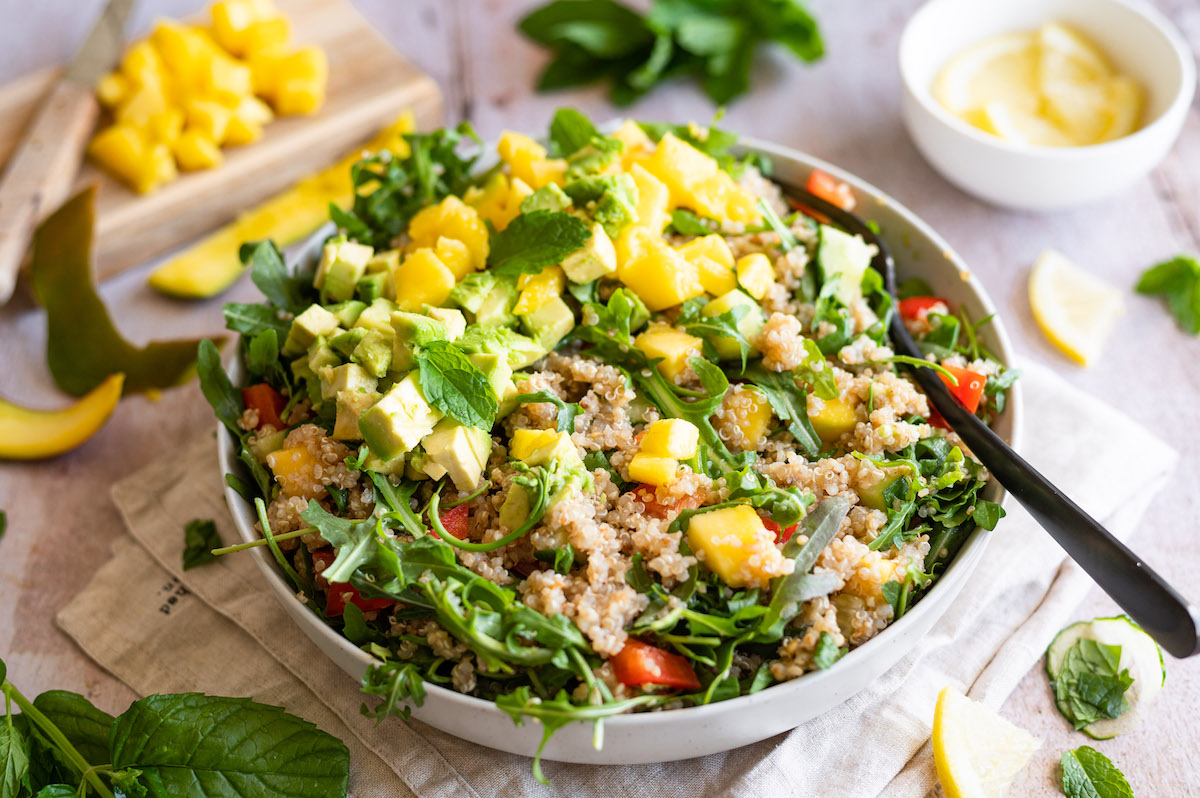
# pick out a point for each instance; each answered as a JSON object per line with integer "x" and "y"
{"x": 1140, "y": 42}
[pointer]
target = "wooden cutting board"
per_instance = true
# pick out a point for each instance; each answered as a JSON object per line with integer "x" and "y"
{"x": 369, "y": 85}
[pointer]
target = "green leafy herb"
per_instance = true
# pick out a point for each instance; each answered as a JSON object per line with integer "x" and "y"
{"x": 570, "y": 131}
{"x": 723, "y": 325}
{"x": 687, "y": 223}
{"x": 566, "y": 410}
{"x": 1177, "y": 279}
{"x": 226, "y": 400}
{"x": 3, "y": 523}
{"x": 200, "y": 538}
{"x": 1087, "y": 773}
{"x": 270, "y": 274}
{"x": 987, "y": 514}
{"x": 788, "y": 593}
{"x": 790, "y": 402}
{"x": 787, "y": 239}
{"x": 455, "y": 385}
{"x": 827, "y": 652}
{"x": 1091, "y": 684}
{"x": 535, "y": 240}
{"x": 252, "y": 319}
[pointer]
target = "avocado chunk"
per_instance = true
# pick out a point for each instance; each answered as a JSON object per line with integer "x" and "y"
{"x": 461, "y": 451}
{"x": 421, "y": 467}
{"x": 393, "y": 466}
{"x": 373, "y": 353}
{"x": 471, "y": 290}
{"x": 307, "y": 378}
{"x": 547, "y": 198}
{"x": 378, "y": 317}
{"x": 371, "y": 286}
{"x": 346, "y": 341}
{"x": 342, "y": 263}
{"x": 844, "y": 258}
{"x": 384, "y": 262}
{"x": 313, "y": 322}
{"x": 496, "y": 310}
{"x": 350, "y": 407}
{"x": 453, "y": 320}
{"x": 412, "y": 331}
{"x": 495, "y": 367}
{"x": 396, "y": 423}
{"x": 549, "y": 323}
{"x": 347, "y": 312}
{"x": 320, "y": 355}
{"x": 518, "y": 350}
{"x": 597, "y": 258}
{"x": 347, "y": 377}
{"x": 750, "y": 324}
{"x": 611, "y": 200}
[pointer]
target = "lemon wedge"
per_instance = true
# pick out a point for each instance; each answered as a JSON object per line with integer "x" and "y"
{"x": 1002, "y": 69}
{"x": 977, "y": 752}
{"x": 1075, "y": 310}
{"x": 1019, "y": 125}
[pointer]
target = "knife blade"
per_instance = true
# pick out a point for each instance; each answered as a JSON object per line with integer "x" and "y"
{"x": 43, "y": 167}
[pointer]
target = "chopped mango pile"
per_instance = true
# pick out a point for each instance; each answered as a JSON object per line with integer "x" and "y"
{"x": 665, "y": 443}
{"x": 185, "y": 91}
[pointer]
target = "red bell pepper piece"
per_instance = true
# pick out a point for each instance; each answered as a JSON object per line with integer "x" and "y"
{"x": 335, "y": 593}
{"x": 268, "y": 402}
{"x": 645, "y": 493}
{"x": 829, "y": 189}
{"x": 913, "y": 307}
{"x": 968, "y": 392}
{"x": 781, "y": 535}
{"x": 454, "y": 521}
{"x": 639, "y": 664}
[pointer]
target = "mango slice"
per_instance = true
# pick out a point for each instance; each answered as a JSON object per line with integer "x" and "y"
{"x": 28, "y": 434}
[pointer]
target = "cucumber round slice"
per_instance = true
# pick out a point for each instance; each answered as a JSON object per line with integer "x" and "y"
{"x": 1139, "y": 654}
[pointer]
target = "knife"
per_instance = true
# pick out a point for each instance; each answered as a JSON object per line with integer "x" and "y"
{"x": 44, "y": 165}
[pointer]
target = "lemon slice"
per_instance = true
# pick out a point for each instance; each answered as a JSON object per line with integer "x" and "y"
{"x": 1018, "y": 125}
{"x": 977, "y": 752}
{"x": 1125, "y": 108}
{"x": 1069, "y": 55}
{"x": 1075, "y": 310}
{"x": 1081, "y": 94}
{"x": 1002, "y": 69}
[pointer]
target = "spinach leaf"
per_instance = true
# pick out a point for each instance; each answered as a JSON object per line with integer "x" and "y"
{"x": 455, "y": 385}
{"x": 535, "y": 240}
{"x": 199, "y": 539}
{"x": 827, "y": 652}
{"x": 1177, "y": 279}
{"x": 1087, "y": 773}
{"x": 226, "y": 400}
{"x": 207, "y": 746}
{"x": 567, "y": 411}
{"x": 1091, "y": 685}
{"x": 14, "y": 758}
{"x": 81, "y": 723}
{"x": 270, "y": 274}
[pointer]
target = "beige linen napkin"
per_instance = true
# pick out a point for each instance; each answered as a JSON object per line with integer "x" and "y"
{"x": 218, "y": 630}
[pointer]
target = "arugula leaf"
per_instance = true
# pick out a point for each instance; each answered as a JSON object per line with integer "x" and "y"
{"x": 1091, "y": 685}
{"x": 1178, "y": 279}
{"x": 200, "y": 538}
{"x": 202, "y": 745}
{"x": 455, "y": 385}
{"x": 270, "y": 275}
{"x": 535, "y": 240}
{"x": 251, "y": 319}
{"x": 637, "y": 577}
{"x": 566, "y": 410}
{"x": 789, "y": 402}
{"x": 354, "y": 540}
{"x": 226, "y": 400}
{"x": 1087, "y": 773}
{"x": 826, "y": 652}
{"x": 81, "y": 723}
{"x": 394, "y": 682}
{"x": 723, "y": 325}
{"x": 687, "y": 223}
{"x": 788, "y": 593}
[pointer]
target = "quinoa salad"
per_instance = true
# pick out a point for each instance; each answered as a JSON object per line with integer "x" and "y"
{"x": 608, "y": 426}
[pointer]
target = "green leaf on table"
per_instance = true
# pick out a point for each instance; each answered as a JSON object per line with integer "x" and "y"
{"x": 83, "y": 347}
{"x": 535, "y": 240}
{"x": 1178, "y": 280}
{"x": 199, "y": 539}
{"x": 600, "y": 28}
{"x": 85, "y": 726}
{"x": 226, "y": 400}
{"x": 1091, "y": 684}
{"x": 3, "y": 529}
{"x": 1087, "y": 773}
{"x": 14, "y": 759}
{"x": 455, "y": 385}
{"x": 198, "y": 745}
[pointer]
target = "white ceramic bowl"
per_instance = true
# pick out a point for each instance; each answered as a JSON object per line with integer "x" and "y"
{"x": 685, "y": 733}
{"x": 1141, "y": 43}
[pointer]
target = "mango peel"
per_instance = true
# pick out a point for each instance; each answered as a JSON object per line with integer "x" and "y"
{"x": 29, "y": 434}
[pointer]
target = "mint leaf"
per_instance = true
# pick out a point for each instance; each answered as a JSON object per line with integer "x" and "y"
{"x": 198, "y": 745}
{"x": 570, "y": 131}
{"x": 687, "y": 223}
{"x": 826, "y": 652}
{"x": 1090, "y": 685}
{"x": 455, "y": 385}
{"x": 533, "y": 241}
{"x": 987, "y": 514}
{"x": 601, "y": 28}
{"x": 1178, "y": 280}
{"x": 199, "y": 539}
{"x": 85, "y": 727}
{"x": 1087, "y": 773}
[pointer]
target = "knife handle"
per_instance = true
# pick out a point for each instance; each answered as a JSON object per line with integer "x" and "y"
{"x": 41, "y": 171}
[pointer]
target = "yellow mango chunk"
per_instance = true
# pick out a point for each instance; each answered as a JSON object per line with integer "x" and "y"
{"x": 165, "y": 127}
{"x": 653, "y": 470}
{"x": 293, "y": 470}
{"x": 671, "y": 437}
{"x": 123, "y": 151}
{"x": 233, "y": 19}
{"x": 712, "y": 257}
{"x": 734, "y": 544}
{"x": 538, "y": 289}
{"x": 195, "y": 151}
{"x": 754, "y": 416}
{"x": 835, "y": 419}
{"x": 186, "y": 52}
{"x": 672, "y": 345}
{"x": 631, "y": 244}
{"x": 227, "y": 80}
{"x": 141, "y": 105}
{"x": 654, "y": 199}
{"x": 527, "y": 161}
{"x": 266, "y": 34}
{"x": 755, "y": 274}
{"x": 638, "y": 145}
{"x": 451, "y": 218}
{"x": 111, "y": 89}
{"x": 209, "y": 118}
{"x": 527, "y": 441}
{"x": 27, "y": 434}
{"x": 499, "y": 199}
{"x": 455, "y": 255}
{"x": 660, "y": 275}
{"x": 696, "y": 181}
{"x": 421, "y": 279}
{"x": 246, "y": 123}
{"x": 142, "y": 65}
{"x": 300, "y": 82}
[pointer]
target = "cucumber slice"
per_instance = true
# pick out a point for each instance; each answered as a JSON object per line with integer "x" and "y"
{"x": 1139, "y": 654}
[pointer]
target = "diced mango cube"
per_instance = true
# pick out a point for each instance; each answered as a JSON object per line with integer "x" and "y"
{"x": 141, "y": 104}
{"x": 300, "y": 81}
{"x": 264, "y": 70}
{"x": 455, "y": 255}
{"x": 671, "y": 437}
{"x": 696, "y": 181}
{"x": 111, "y": 89}
{"x": 293, "y": 469}
{"x": 186, "y": 51}
{"x": 654, "y": 199}
{"x": 712, "y": 257}
{"x": 661, "y": 276}
{"x": 163, "y": 164}
{"x": 232, "y": 19}
{"x": 526, "y": 160}
{"x": 165, "y": 127}
{"x": 754, "y": 415}
{"x": 538, "y": 289}
{"x": 421, "y": 279}
{"x": 451, "y": 218}
{"x": 265, "y": 34}
{"x": 227, "y": 80}
{"x": 142, "y": 65}
{"x": 734, "y": 544}
{"x": 631, "y": 244}
{"x": 209, "y": 118}
{"x": 671, "y": 344}
{"x": 499, "y": 199}
{"x": 535, "y": 447}
{"x": 835, "y": 418}
{"x": 124, "y": 151}
{"x": 246, "y": 123}
{"x": 638, "y": 145}
{"x": 193, "y": 150}
{"x": 755, "y": 274}
{"x": 653, "y": 470}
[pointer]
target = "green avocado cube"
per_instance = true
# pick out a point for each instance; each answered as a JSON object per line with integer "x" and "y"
{"x": 496, "y": 309}
{"x": 384, "y": 262}
{"x": 611, "y": 200}
{"x": 547, "y": 198}
{"x": 495, "y": 367}
{"x": 350, "y": 407}
{"x": 373, "y": 353}
{"x": 549, "y": 323}
{"x": 597, "y": 258}
{"x": 371, "y": 286}
{"x": 313, "y": 322}
{"x": 421, "y": 467}
{"x": 460, "y": 451}
{"x": 342, "y": 264}
{"x": 346, "y": 377}
{"x": 345, "y": 342}
{"x": 844, "y": 258}
{"x": 389, "y": 467}
{"x": 378, "y": 317}
{"x": 320, "y": 355}
{"x": 471, "y": 290}
{"x": 411, "y": 331}
{"x": 347, "y": 312}
{"x": 396, "y": 423}
{"x": 750, "y": 324}
{"x": 453, "y": 320}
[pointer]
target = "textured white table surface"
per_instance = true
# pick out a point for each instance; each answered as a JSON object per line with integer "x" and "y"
{"x": 845, "y": 110}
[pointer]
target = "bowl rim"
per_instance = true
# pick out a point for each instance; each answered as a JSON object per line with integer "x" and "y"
{"x": 1178, "y": 105}
{"x": 952, "y": 579}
